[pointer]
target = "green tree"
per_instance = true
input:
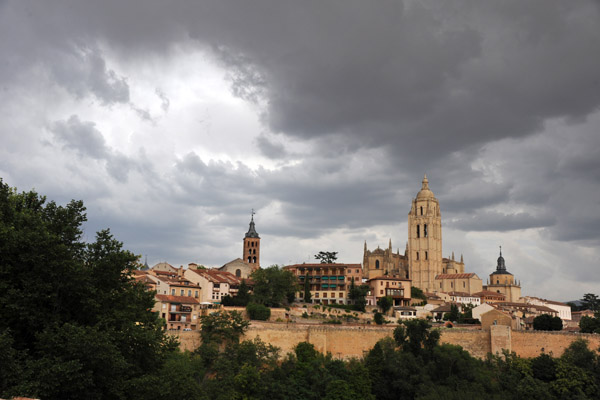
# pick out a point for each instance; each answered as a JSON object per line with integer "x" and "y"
{"x": 589, "y": 324}
{"x": 72, "y": 315}
{"x": 546, "y": 322}
{"x": 416, "y": 336}
{"x": 590, "y": 301}
{"x": 223, "y": 327}
{"x": 274, "y": 286}
{"x": 307, "y": 295}
{"x": 357, "y": 295}
{"x": 258, "y": 311}
{"x": 378, "y": 318}
{"x": 417, "y": 293}
{"x": 453, "y": 315}
{"x": 385, "y": 303}
{"x": 326, "y": 257}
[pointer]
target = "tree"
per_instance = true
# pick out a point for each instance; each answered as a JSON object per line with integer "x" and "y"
{"x": 415, "y": 336}
{"x": 453, "y": 315}
{"x": 223, "y": 327}
{"x": 307, "y": 295}
{"x": 358, "y": 295}
{"x": 546, "y": 322}
{"x": 274, "y": 286}
{"x": 589, "y": 324}
{"x": 378, "y": 318}
{"x": 417, "y": 293}
{"x": 590, "y": 301}
{"x": 72, "y": 314}
{"x": 385, "y": 303}
{"x": 258, "y": 311}
{"x": 326, "y": 257}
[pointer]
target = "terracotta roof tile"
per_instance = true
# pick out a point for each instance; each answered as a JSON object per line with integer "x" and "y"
{"x": 456, "y": 276}
{"x": 176, "y": 299}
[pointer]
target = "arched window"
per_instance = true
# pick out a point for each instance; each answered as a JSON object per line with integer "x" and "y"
{"x": 425, "y": 230}
{"x": 249, "y": 251}
{"x": 421, "y": 210}
{"x": 417, "y": 255}
{"x": 254, "y": 251}
{"x": 254, "y": 260}
{"x": 249, "y": 259}
{"x": 426, "y": 255}
{"x": 238, "y": 273}
{"x": 376, "y": 264}
{"x": 418, "y": 231}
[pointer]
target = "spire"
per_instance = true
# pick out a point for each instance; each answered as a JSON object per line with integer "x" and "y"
{"x": 365, "y": 246}
{"x": 461, "y": 259}
{"x": 252, "y": 230}
{"x": 501, "y": 266}
{"x": 425, "y": 183}
{"x": 390, "y": 244}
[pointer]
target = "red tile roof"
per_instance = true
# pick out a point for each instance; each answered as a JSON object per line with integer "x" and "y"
{"x": 176, "y": 299}
{"x": 216, "y": 276}
{"x": 455, "y": 276}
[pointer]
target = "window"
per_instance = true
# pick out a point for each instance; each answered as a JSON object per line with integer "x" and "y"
{"x": 426, "y": 255}
{"x": 249, "y": 251}
{"x": 238, "y": 273}
{"x": 341, "y": 295}
{"x": 418, "y": 231}
{"x": 324, "y": 295}
{"x": 376, "y": 264}
{"x": 190, "y": 293}
{"x": 173, "y": 292}
{"x": 254, "y": 259}
{"x": 182, "y": 292}
{"x": 498, "y": 282}
{"x": 381, "y": 292}
{"x": 451, "y": 284}
{"x": 421, "y": 210}
{"x": 249, "y": 259}
{"x": 417, "y": 255}
{"x": 464, "y": 284}
{"x": 425, "y": 230}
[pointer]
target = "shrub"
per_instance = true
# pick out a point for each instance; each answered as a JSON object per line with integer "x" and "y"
{"x": 378, "y": 318}
{"x": 258, "y": 312}
{"x": 304, "y": 315}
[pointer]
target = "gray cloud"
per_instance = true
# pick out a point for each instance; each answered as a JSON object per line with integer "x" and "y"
{"x": 496, "y": 221}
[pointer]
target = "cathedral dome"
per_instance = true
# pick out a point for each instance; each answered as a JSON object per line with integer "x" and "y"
{"x": 425, "y": 193}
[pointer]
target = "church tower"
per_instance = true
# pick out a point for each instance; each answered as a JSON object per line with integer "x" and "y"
{"x": 424, "y": 239}
{"x": 252, "y": 246}
{"x": 502, "y": 281}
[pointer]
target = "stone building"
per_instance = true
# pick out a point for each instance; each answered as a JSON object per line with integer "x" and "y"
{"x": 381, "y": 262}
{"x": 327, "y": 283}
{"x": 461, "y": 282}
{"x": 250, "y": 260}
{"x": 502, "y": 281}
{"x": 422, "y": 261}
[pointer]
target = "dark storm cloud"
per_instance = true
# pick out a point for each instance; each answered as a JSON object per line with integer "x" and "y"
{"x": 87, "y": 141}
{"x": 501, "y": 222}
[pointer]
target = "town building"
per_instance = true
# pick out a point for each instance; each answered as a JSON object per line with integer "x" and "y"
{"x": 502, "y": 281}
{"x": 398, "y": 289}
{"x": 422, "y": 260}
{"x": 250, "y": 260}
{"x": 463, "y": 282}
{"x": 464, "y": 298}
{"x": 179, "y": 312}
{"x": 489, "y": 297}
{"x": 327, "y": 283}
{"x": 564, "y": 310}
{"x": 215, "y": 284}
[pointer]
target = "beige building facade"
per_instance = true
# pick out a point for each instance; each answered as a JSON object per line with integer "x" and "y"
{"x": 502, "y": 281}
{"x": 462, "y": 282}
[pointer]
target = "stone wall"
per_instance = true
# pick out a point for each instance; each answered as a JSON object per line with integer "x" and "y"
{"x": 532, "y": 343}
{"x": 348, "y": 341}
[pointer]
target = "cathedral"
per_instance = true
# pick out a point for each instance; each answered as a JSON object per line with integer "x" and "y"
{"x": 422, "y": 261}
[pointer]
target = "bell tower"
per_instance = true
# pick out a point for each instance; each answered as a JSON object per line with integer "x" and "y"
{"x": 252, "y": 245}
{"x": 424, "y": 239}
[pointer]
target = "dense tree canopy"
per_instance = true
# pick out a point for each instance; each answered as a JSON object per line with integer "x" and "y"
{"x": 73, "y": 322}
{"x": 274, "y": 286}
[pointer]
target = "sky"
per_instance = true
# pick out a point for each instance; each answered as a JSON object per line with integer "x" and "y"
{"x": 172, "y": 120}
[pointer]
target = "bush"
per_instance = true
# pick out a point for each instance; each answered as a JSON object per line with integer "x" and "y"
{"x": 546, "y": 322}
{"x": 258, "y": 312}
{"x": 378, "y": 318}
{"x": 304, "y": 315}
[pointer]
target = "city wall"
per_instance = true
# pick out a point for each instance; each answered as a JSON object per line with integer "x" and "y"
{"x": 354, "y": 341}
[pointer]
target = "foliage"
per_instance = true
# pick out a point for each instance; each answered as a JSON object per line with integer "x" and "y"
{"x": 73, "y": 322}
{"x": 385, "y": 303}
{"x": 241, "y": 299}
{"x": 326, "y": 257}
{"x": 378, "y": 318}
{"x": 223, "y": 327}
{"x": 273, "y": 286}
{"x": 589, "y": 324}
{"x": 357, "y": 295}
{"x": 590, "y": 301}
{"x": 546, "y": 322}
{"x": 453, "y": 315}
{"x": 417, "y": 293}
{"x": 307, "y": 295}
{"x": 258, "y": 312}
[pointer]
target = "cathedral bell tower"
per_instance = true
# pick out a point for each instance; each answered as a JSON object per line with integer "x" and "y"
{"x": 424, "y": 239}
{"x": 252, "y": 246}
